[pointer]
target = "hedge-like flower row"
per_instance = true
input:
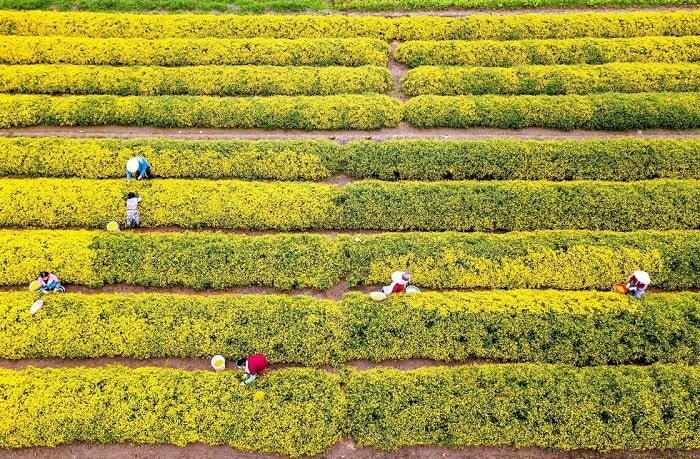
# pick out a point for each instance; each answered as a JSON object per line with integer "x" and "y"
{"x": 549, "y": 52}
{"x": 570, "y": 260}
{"x": 299, "y": 411}
{"x": 422, "y": 159}
{"x": 403, "y": 5}
{"x": 199, "y": 80}
{"x": 578, "y": 328}
{"x": 274, "y": 112}
{"x": 549, "y": 406}
{"x": 472, "y": 27}
{"x": 348, "y": 52}
{"x": 394, "y": 206}
{"x": 559, "y": 79}
{"x": 606, "y": 111}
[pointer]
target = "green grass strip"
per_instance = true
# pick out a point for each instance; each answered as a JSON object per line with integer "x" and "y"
{"x": 198, "y": 6}
{"x": 199, "y": 81}
{"x": 417, "y": 5}
{"x": 299, "y": 411}
{"x": 552, "y": 80}
{"x": 571, "y": 260}
{"x": 420, "y": 159}
{"x": 578, "y": 328}
{"x": 274, "y": 112}
{"x": 606, "y": 111}
{"x": 398, "y": 206}
{"x": 606, "y": 408}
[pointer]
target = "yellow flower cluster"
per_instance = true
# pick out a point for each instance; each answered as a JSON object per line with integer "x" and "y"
{"x": 284, "y": 206}
{"x": 350, "y": 52}
{"x": 199, "y": 80}
{"x": 570, "y": 260}
{"x": 301, "y": 413}
{"x": 549, "y": 52}
{"x": 471, "y": 27}
{"x": 553, "y": 79}
{"x": 606, "y": 111}
{"x": 602, "y": 327}
{"x": 274, "y": 112}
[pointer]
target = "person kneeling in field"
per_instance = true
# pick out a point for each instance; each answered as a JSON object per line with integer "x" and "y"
{"x": 139, "y": 167}
{"x": 638, "y": 283}
{"x": 399, "y": 281}
{"x": 254, "y": 365}
{"x": 49, "y": 283}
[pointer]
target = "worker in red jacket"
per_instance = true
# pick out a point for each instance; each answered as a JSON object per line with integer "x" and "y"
{"x": 638, "y": 283}
{"x": 254, "y": 365}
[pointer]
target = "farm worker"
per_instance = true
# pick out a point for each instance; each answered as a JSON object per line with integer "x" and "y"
{"x": 48, "y": 282}
{"x": 399, "y": 281}
{"x": 254, "y": 365}
{"x": 638, "y": 283}
{"x": 132, "y": 210}
{"x": 139, "y": 167}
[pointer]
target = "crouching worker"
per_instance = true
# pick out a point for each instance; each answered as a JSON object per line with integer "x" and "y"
{"x": 132, "y": 210}
{"x": 637, "y": 284}
{"x": 399, "y": 281}
{"x": 49, "y": 283}
{"x": 139, "y": 167}
{"x": 254, "y": 365}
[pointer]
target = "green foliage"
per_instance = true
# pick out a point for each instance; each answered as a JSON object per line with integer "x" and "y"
{"x": 210, "y": 80}
{"x": 274, "y": 112}
{"x": 420, "y": 159}
{"x": 411, "y": 5}
{"x": 489, "y": 53}
{"x": 387, "y": 206}
{"x": 607, "y": 111}
{"x": 552, "y": 80}
{"x": 350, "y": 52}
{"x": 539, "y": 25}
{"x": 507, "y": 159}
{"x": 106, "y": 158}
{"x": 300, "y": 411}
{"x": 580, "y": 328}
{"x": 199, "y": 6}
{"x": 602, "y": 408}
{"x": 570, "y": 260}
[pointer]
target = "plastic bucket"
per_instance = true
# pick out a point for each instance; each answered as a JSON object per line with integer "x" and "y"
{"x": 412, "y": 289}
{"x": 218, "y": 363}
{"x": 113, "y": 226}
{"x": 377, "y": 296}
{"x": 34, "y": 286}
{"x": 620, "y": 288}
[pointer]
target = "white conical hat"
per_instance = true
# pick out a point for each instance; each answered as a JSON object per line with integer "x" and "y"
{"x": 132, "y": 165}
{"x": 642, "y": 276}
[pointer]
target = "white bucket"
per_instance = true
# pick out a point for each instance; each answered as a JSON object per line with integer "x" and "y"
{"x": 218, "y": 362}
{"x": 377, "y": 296}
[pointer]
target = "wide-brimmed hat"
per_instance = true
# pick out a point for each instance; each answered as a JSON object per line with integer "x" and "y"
{"x": 132, "y": 165}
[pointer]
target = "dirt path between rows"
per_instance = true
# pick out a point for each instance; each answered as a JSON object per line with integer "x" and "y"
{"x": 403, "y": 131}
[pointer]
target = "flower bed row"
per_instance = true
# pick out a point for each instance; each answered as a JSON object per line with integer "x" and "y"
{"x": 422, "y": 159}
{"x": 570, "y": 260}
{"x": 549, "y": 52}
{"x": 349, "y": 52}
{"x": 299, "y": 411}
{"x": 471, "y": 27}
{"x": 395, "y": 206}
{"x": 578, "y": 328}
{"x": 607, "y": 111}
{"x": 559, "y": 79}
{"x": 274, "y": 112}
{"x": 199, "y": 80}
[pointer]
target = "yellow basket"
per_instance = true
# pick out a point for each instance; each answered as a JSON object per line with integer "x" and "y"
{"x": 113, "y": 226}
{"x": 34, "y": 286}
{"x": 620, "y": 288}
